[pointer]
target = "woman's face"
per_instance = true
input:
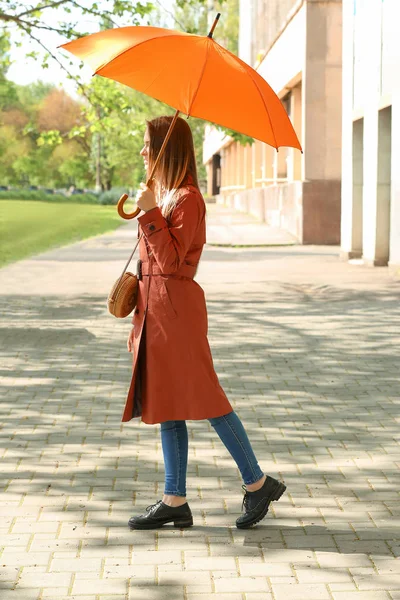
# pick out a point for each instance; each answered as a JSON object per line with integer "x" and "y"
{"x": 145, "y": 150}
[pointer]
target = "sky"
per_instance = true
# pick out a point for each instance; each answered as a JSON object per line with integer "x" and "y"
{"x": 27, "y": 70}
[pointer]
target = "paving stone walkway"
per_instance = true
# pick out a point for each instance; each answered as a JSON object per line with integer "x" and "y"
{"x": 307, "y": 348}
{"x": 227, "y": 227}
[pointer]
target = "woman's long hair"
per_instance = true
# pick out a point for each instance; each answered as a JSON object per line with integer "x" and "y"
{"x": 177, "y": 162}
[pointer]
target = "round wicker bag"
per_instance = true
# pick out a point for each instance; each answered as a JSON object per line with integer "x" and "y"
{"x": 124, "y": 293}
{"x": 123, "y": 296}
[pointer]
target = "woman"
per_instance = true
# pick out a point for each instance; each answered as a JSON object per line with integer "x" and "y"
{"x": 173, "y": 374}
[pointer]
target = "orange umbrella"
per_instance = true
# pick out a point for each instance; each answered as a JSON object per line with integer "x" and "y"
{"x": 191, "y": 73}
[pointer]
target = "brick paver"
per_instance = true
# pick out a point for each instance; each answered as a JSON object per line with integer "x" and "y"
{"x": 307, "y": 349}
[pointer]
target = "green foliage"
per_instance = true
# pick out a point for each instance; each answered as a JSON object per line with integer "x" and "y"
{"x": 8, "y": 94}
{"x": 4, "y": 52}
{"x": 40, "y": 195}
{"x": 32, "y": 20}
{"x": 118, "y": 115}
{"x": 243, "y": 139}
{"x": 41, "y": 145}
{"x": 49, "y": 138}
{"x": 31, "y": 96}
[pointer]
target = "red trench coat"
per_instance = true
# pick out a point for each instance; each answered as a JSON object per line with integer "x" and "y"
{"x": 173, "y": 376}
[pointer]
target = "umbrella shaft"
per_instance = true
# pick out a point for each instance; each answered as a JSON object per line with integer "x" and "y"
{"x": 165, "y": 142}
{"x": 214, "y": 25}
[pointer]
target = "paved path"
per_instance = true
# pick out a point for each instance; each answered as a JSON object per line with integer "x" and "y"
{"x": 227, "y": 227}
{"x": 307, "y": 349}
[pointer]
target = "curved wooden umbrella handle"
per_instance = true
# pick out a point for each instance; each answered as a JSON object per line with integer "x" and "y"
{"x": 121, "y": 211}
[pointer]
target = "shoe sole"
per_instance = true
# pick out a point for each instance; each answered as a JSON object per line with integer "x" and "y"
{"x": 281, "y": 489}
{"x": 179, "y": 523}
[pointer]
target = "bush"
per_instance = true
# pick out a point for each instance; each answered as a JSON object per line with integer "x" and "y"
{"x": 112, "y": 196}
{"x": 42, "y": 196}
{"x": 88, "y": 198}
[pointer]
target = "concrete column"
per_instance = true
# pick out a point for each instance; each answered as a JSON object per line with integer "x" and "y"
{"x": 294, "y": 156}
{"x": 257, "y": 161}
{"x": 358, "y": 186}
{"x": 321, "y": 90}
{"x": 282, "y": 162}
{"x": 231, "y": 180}
{"x": 322, "y": 121}
{"x": 263, "y": 163}
{"x": 209, "y": 177}
{"x": 241, "y": 164}
{"x": 349, "y": 247}
{"x": 394, "y": 255}
{"x": 236, "y": 163}
{"x": 248, "y": 166}
{"x": 223, "y": 168}
{"x": 245, "y": 166}
{"x": 228, "y": 167}
{"x": 269, "y": 167}
{"x": 383, "y": 186}
{"x": 253, "y": 165}
{"x": 373, "y": 251}
{"x": 279, "y": 164}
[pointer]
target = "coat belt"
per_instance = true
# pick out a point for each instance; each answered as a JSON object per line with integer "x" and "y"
{"x": 146, "y": 268}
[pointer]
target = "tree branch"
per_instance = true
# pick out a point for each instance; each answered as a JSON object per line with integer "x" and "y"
{"x": 63, "y": 67}
{"x": 172, "y": 15}
{"x": 36, "y": 8}
{"x": 95, "y": 12}
{"x": 83, "y": 143}
{"x": 36, "y": 25}
{"x": 85, "y": 10}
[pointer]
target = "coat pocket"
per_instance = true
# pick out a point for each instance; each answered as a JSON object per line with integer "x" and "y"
{"x": 164, "y": 297}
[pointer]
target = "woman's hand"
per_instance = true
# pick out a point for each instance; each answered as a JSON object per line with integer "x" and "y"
{"x": 130, "y": 340}
{"x": 145, "y": 198}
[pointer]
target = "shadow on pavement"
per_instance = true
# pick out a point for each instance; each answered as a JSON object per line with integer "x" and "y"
{"x": 313, "y": 372}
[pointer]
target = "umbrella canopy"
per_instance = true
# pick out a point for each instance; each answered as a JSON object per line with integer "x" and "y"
{"x": 191, "y": 73}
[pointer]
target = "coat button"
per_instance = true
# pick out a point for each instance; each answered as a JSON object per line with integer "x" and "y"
{"x": 152, "y": 227}
{"x": 137, "y": 311}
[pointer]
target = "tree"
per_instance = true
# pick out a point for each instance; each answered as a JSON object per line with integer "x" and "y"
{"x": 8, "y": 93}
{"x": 30, "y": 96}
{"x": 121, "y": 125}
{"x": 58, "y": 111}
{"x": 103, "y": 132}
{"x": 194, "y": 16}
{"x": 63, "y": 17}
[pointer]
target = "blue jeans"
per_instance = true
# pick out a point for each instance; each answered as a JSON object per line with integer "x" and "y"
{"x": 174, "y": 440}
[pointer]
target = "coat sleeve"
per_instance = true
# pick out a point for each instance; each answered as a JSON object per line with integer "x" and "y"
{"x": 169, "y": 242}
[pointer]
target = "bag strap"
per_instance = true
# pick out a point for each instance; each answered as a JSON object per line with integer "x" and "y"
{"x": 129, "y": 260}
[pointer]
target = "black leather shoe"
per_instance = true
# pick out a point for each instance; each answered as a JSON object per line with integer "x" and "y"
{"x": 257, "y": 503}
{"x": 159, "y": 514}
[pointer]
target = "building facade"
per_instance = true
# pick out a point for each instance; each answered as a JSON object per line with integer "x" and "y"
{"x": 370, "y": 223}
{"x": 296, "y": 45}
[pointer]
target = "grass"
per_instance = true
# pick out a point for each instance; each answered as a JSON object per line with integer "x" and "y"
{"x": 30, "y": 227}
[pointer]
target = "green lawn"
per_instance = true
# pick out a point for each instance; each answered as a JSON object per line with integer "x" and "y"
{"x": 29, "y": 227}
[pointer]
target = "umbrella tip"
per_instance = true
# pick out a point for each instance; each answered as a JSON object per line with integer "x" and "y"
{"x": 214, "y": 25}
